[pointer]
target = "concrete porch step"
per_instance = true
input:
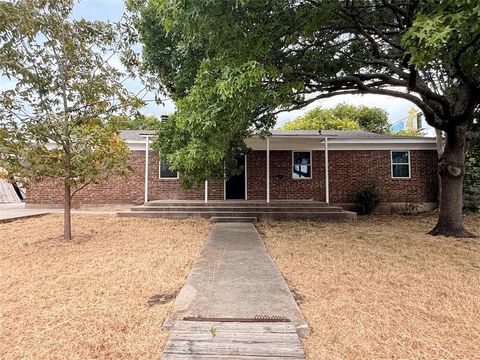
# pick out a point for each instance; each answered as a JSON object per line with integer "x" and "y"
{"x": 235, "y": 203}
{"x": 339, "y": 216}
{"x": 233, "y": 219}
{"x": 238, "y": 208}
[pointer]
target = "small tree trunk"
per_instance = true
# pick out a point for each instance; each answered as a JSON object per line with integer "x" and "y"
{"x": 67, "y": 199}
{"x": 451, "y": 168}
{"x": 67, "y": 221}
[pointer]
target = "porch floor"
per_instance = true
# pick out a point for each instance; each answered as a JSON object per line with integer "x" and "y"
{"x": 256, "y": 209}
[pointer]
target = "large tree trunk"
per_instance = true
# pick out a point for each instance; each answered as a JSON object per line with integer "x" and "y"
{"x": 440, "y": 146}
{"x": 451, "y": 168}
{"x": 67, "y": 224}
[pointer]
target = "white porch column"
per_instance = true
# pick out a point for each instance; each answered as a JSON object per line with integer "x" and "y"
{"x": 268, "y": 170}
{"x": 206, "y": 191}
{"x": 327, "y": 194}
{"x": 246, "y": 176}
{"x": 147, "y": 140}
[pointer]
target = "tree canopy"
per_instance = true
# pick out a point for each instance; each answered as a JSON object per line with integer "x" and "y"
{"x": 136, "y": 122}
{"x": 408, "y": 132}
{"x": 342, "y": 117}
{"x": 232, "y": 66}
{"x": 54, "y": 117}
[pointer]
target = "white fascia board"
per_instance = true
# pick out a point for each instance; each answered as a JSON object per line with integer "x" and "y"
{"x": 379, "y": 146}
{"x": 135, "y": 145}
{"x": 317, "y": 143}
{"x": 383, "y": 144}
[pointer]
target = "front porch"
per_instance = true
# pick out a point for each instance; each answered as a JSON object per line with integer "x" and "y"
{"x": 283, "y": 166}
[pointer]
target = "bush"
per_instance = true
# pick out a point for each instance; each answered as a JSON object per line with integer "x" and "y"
{"x": 472, "y": 178}
{"x": 472, "y": 199}
{"x": 368, "y": 199}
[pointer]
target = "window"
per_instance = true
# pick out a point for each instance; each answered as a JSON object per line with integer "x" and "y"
{"x": 302, "y": 166}
{"x": 166, "y": 172}
{"x": 401, "y": 164}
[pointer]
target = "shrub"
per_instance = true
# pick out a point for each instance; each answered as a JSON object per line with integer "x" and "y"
{"x": 472, "y": 178}
{"x": 472, "y": 199}
{"x": 368, "y": 199}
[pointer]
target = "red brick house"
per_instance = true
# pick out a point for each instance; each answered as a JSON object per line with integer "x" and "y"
{"x": 326, "y": 166}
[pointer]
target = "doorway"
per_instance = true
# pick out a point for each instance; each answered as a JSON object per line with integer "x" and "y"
{"x": 235, "y": 186}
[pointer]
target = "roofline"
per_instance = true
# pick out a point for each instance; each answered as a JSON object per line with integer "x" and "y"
{"x": 373, "y": 140}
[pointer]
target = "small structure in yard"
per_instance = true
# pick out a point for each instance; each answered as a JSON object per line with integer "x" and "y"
{"x": 327, "y": 167}
{"x": 9, "y": 193}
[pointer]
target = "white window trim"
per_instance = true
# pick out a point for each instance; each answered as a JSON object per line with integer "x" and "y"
{"x": 409, "y": 165}
{"x": 160, "y": 172}
{"x": 311, "y": 165}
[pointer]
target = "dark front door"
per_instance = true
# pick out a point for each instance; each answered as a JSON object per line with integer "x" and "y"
{"x": 235, "y": 186}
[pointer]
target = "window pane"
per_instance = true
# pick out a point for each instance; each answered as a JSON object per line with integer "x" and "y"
{"x": 400, "y": 157}
{"x": 301, "y": 158}
{"x": 165, "y": 172}
{"x": 301, "y": 171}
{"x": 401, "y": 170}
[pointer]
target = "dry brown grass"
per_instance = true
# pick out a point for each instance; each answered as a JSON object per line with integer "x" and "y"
{"x": 96, "y": 297}
{"x": 381, "y": 288}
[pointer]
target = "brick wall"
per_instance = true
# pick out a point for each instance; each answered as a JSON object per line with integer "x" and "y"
{"x": 349, "y": 171}
{"x": 129, "y": 190}
{"x": 168, "y": 189}
{"x": 117, "y": 190}
{"x": 257, "y": 175}
{"x": 282, "y": 185}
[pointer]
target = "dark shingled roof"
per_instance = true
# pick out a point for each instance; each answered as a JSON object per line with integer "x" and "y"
{"x": 135, "y": 135}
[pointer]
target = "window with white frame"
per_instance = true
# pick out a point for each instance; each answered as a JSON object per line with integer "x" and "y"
{"x": 302, "y": 164}
{"x": 401, "y": 164}
{"x": 166, "y": 172}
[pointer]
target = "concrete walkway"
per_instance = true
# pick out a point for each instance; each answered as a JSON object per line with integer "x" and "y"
{"x": 15, "y": 211}
{"x": 235, "y": 280}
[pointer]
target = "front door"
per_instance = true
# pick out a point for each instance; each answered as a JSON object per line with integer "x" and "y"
{"x": 235, "y": 186}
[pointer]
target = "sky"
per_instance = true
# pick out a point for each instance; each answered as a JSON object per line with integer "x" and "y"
{"x": 112, "y": 10}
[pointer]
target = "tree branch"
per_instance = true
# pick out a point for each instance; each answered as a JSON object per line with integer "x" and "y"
{"x": 458, "y": 66}
{"x": 80, "y": 188}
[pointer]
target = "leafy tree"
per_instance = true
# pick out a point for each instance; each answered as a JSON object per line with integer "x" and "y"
{"x": 137, "y": 122}
{"x": 409, "y": 132}
{"x": 320, "y": 119}
{"x": 342, "y": 117}
{"x": 371, "y": 119}
{"x": 232, "y": 66}
{"x": 53, "y": 121}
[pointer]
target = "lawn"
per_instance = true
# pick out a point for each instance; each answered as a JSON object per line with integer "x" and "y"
{"x": 103, "y": 296}
{"x": 381, "y": 288}
{"x": 377, "y": 288}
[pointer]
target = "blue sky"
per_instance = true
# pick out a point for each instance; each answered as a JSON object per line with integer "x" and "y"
{"x": 113, "y": 9}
